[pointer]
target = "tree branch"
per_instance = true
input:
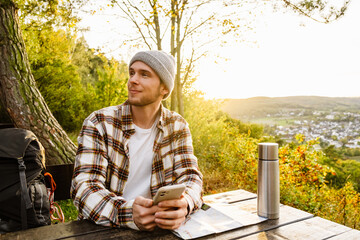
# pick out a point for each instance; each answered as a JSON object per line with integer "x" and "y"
{"x": 326, "y": 19}
{"x": 133, "y": 20}
{"x": 149, "y": 26}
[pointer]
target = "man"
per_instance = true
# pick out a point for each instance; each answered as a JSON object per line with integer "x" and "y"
{"x": 127, "y": 152}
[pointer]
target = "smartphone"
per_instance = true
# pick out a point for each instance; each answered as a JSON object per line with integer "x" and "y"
{"x": 169, "y": 193}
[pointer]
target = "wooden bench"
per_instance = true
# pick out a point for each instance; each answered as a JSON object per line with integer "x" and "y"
{"x": 62, "y": 175}
{"x": 6, "y": 125}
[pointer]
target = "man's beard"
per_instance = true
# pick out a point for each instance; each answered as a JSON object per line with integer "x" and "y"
{"x": 145, "y": 100}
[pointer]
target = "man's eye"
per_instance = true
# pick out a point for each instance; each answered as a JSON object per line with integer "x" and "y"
{"x": 145, "y": 75}
{"x": 131, "y": 73}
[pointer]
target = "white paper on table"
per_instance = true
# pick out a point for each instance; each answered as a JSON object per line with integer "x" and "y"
{"x": 216, "y": 218}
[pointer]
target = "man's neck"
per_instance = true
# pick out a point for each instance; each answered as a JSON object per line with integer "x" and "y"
{"x": 145, "y": 116}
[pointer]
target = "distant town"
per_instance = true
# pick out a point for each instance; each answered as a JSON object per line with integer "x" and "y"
{"x": 335, "y": 121}
{"x": 341, "y": 129}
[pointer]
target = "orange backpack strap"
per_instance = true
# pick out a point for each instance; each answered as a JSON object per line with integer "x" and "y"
{"x": 56, "y": 213}
{"x": 52, "y": 182}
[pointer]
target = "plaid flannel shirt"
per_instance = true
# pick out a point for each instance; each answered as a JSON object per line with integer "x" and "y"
{"x": 102, "y": 164}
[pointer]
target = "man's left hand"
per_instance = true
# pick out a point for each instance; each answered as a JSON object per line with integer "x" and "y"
{"x": 174, "y": 216}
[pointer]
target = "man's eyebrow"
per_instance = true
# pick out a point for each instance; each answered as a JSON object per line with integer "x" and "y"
{"x": 140, "y": 70}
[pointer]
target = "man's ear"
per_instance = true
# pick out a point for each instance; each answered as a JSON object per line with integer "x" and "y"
{"x": 163, "y": 89}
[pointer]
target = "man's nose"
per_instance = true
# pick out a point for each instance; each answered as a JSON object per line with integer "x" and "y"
{"x": 134, "y": 79}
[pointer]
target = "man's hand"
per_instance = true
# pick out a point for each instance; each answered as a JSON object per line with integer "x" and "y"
{"x": 143, "y": 213}
{"x": 175, "y": 214}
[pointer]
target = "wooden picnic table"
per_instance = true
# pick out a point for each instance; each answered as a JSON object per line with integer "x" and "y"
{"x": 292, "y": 224}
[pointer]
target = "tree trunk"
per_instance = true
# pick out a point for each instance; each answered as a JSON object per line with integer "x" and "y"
{"x": 178, "y": 65}
{"x": 178, "y": 92}
{"x": 20, "y": 96}
{"x": 157, "y": 26}
{"x": 173, "y": 53}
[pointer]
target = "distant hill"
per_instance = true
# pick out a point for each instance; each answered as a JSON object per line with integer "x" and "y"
{"x": 261, "y": 106}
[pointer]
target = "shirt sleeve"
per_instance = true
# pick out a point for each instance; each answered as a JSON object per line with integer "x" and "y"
{"x": 92, "y": 199}
{"x": 187, "y": 170}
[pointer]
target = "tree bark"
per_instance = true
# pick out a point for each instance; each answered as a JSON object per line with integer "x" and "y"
{"x": 178, "y": 85}
{"x": 20, "y": 96}
{"x": 157, "y": 26}
{"x": 173, "y": 52}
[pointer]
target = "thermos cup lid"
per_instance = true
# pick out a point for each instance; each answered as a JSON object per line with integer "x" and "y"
{"x": 268, "y": 151}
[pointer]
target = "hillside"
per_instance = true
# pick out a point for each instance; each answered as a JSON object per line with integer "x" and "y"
{"x": 258, "y": 107}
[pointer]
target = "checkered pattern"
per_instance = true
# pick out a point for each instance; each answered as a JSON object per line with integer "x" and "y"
{"x": 102, "y": 164}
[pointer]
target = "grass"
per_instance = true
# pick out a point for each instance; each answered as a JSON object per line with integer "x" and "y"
{"x": 274, "y": 121}
{"x": 67, "y": 206}
{"x": 69, "y": 210}
{"x": 356, "y": 158}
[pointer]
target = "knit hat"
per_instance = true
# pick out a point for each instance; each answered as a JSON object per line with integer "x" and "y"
{"x": 162, "y": 63}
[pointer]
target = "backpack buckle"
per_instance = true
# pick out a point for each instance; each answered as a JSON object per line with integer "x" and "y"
{"x": 22, "y": 166}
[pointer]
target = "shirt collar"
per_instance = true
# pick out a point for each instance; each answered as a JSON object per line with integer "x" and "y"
{"x": 126, "y": 117}
{"x": 161, "y": 122}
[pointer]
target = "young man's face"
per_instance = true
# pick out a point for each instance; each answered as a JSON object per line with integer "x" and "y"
{"x": 144, "y": 85}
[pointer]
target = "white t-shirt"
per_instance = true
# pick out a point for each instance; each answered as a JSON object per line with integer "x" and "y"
{"x": 141, "y": 154}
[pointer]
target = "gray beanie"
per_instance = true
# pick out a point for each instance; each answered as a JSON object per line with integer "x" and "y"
{"x": 162, "y": 63}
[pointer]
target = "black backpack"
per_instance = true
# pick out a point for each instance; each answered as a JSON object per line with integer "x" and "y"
{"x": 24, "y": 200}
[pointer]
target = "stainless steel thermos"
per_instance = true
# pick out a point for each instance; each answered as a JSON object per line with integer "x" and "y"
{"x": 268, "y": 185}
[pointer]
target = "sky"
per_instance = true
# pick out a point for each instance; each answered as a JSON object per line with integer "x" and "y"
{"x": 292, "y": 56}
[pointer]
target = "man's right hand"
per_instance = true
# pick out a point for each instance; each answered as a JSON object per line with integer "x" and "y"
{"x": 144, "y": 213}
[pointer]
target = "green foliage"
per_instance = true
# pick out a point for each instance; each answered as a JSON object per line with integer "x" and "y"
{"x": 254, "y": 130}
{"x": 300, "y": 164}
{"x": 219, "y": 144}
{"x": 57, "y": 78}
{"x": 304, "y": 184}
{"x": 338, "y": 205}
{"x": 346, "y": 171}
{"x": 87, "y": 61}
{"x": 73, "y": 79}
{"x": 111, "y": 84}
{"x": 341, "y": 153}
{"x": 40, "y": 14}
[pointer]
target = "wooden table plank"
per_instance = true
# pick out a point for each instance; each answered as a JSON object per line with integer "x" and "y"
{"x": 85, "y": 230}
{"x": 350, "y": 235}
{"x": 314, "y": 228}
{"x": 56, "y": 231}
{"x": 128, "y": 234}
